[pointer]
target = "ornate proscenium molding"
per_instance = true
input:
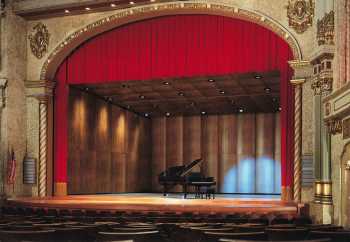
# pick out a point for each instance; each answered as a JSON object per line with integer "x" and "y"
{"x": 39, "y": 40}
{"x": 3, "y": 85}
{"x": 334, "y": 126}
{"x": 325, "y": 29}
{"x": 300, "y": 14}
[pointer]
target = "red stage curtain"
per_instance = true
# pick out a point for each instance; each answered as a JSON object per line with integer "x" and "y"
{"x": 176, "y": 46}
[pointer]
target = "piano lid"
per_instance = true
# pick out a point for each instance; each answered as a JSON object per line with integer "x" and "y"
{"x": 189, "y": 167}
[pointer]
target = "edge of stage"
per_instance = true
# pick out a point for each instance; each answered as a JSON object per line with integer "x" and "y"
{"x": 153, "y": 202}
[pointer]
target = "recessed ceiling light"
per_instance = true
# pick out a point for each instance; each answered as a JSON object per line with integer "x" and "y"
{"x": 181, "y": 94}
{"x": 86, "y": 89}
{"x": 66, "y": 11}
{"x": 211, "y": 80}
{"x": 132, "y": 2}
{"x": 146, "y": 114}
{"x": 257, "y": 76}
{"x": 222, "y": 91}
{"x": 110, "y": 99}
{"x": 142, "y": 96}
{"x": 267, "y": 89}
{"x": 166, "y": 83}
{"x": 167, "y": 114}
{"x": 203, "y": 112}
{"x": 87, "y": 8}
{"x": 152, "y": 1}
{"x": 241, "y": 110}
{"x": 113, "y": 5}
{"x": 279, "y": 109}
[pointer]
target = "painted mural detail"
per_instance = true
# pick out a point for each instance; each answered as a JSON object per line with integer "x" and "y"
{"x": 300, "y": 14}
{"x": 39, "y": 40}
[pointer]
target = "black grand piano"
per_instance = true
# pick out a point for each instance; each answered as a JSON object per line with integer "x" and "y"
{"x": 182, "y": 175}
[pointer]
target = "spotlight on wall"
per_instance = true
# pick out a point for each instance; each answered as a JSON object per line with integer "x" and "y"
{"x": 222, "y": 91}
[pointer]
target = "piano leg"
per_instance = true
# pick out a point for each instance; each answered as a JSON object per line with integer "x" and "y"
{"x": 165, "y": 189}
{"x": 185, "y": 191}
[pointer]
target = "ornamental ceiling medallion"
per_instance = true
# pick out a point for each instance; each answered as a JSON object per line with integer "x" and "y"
{"x": 39, "y": 40}
{"x": 300, "y": 14}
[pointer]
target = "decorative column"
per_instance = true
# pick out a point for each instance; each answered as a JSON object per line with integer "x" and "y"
{"x": 302, "y": 71}
{"x": 42, "y": 91}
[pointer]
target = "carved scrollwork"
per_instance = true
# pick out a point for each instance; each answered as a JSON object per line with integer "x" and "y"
{"x": 300, "y": 14}
{"x": 39, "y": 40}
{"x": 335, "y": 126}
{"x": 322, "y": 85}
{"x": 325, "y": 29}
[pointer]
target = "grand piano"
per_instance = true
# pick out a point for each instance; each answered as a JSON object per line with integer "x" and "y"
{"x": 182, "y": 175}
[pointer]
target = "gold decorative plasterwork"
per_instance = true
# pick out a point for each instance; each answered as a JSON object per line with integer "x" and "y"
{"x": 335, "y": 126}
{"x": 300, "y": 14}
{"x": 322, "y": 85}
{"x": 154, "y": 10}
{"x": 39, "y": 40}
{"x": 325, "y": 29}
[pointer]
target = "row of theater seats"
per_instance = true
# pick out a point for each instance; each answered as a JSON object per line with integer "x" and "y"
{"x": 17, "y": 224}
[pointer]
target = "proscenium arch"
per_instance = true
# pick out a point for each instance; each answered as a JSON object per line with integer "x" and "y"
{"x": 157, "y": 10}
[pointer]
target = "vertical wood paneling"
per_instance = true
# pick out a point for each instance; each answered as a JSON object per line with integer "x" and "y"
{"x": 277, "y": 152}
{"x": 174, "y": 141}
{"x": 227, "y": 178}
{"x": 246, "y": 153}
{"x": 100, "y": 150}
{"x": 158, "y": 150}
{"x": 265, "y": 164}
{"x": 210, "y": 152}
{"x": 192, "y": 140}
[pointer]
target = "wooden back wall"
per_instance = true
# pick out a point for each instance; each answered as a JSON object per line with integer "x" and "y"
{"x": 109, "y": 148}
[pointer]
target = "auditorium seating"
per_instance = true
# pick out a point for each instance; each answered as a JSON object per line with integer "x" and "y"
{"x": 94, "y": 226}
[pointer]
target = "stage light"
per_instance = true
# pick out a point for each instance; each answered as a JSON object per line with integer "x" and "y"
{"x": 152, "y": 1}
{"x": 66, "y": 11}
{"x": 113, "y": 5}
{"x": 87, "y": 8}
{"x": 211, "y": 80}
{"x": 241, "y": 110}
{"x": 86, "y": 89}
{"x": 267, "y": 89}
{"x": 279, "y": 109}
{"x": 167, "y": 114}
{"x": 146, "y": 114}
{"x": 132, "y": 3}
{"x": 222, "y": 91}
{"x": 203, "y": 112}
{"x": 142, "y": 97}
{"x": 257, "y": 76}
{"x": 166, "y": 83}
{"x": 181, "y": 94}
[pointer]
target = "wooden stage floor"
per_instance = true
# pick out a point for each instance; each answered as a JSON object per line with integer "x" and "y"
{"x": 136, "y": 202}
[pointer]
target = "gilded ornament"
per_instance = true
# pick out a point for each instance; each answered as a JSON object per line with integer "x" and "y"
{"x": 39, "y": 40}
{"x": 335, "y": 126}
{"x": 300, "y": 14}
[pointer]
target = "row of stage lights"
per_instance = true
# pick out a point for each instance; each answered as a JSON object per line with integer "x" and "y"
{"x": 112, "y": 5}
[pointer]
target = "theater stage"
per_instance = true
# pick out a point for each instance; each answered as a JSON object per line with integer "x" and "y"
{"x": 145, "y": 202}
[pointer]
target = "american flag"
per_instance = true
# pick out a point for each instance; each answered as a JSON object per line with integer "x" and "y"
{"x": 11, "y": 169}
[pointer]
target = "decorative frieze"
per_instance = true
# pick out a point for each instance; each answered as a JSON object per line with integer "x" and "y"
{"x": 325, "y": 29}
{"x": 300, "y": 14}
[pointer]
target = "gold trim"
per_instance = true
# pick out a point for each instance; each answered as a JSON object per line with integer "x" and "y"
{"x": 155, "y": 10}
{"x": 296, "y": 82}
{"x": 323, "y": 192}
{"x": 60, "y": 189}
{"x": 298, "y": 63}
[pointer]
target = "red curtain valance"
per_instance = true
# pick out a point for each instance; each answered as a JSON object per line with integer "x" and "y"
{"x": 176, "y": 46}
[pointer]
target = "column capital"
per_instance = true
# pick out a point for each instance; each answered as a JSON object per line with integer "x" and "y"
{"x": 297, "y": 82}
{"x": 302, "y": 68}
{"x": 40, "y": 89}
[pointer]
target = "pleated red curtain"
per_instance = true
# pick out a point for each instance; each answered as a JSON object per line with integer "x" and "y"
{"x": 176, "y": 46}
